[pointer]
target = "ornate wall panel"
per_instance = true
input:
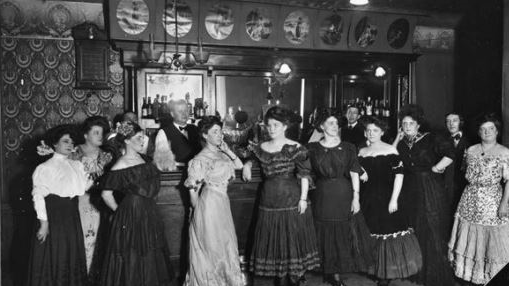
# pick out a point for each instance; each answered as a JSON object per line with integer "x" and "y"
{"x": 38, "y": 92}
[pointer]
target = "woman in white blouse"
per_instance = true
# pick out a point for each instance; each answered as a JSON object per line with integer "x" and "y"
{"x": 57, "y": 255}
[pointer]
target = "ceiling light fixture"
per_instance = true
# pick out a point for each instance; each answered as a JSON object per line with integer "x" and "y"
{"x": 284, "y": 69}
{"x": 359, "y": 2}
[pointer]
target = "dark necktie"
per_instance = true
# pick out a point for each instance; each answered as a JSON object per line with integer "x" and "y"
{"x": 181, "y": 128}
{"x": 457, "y": 137}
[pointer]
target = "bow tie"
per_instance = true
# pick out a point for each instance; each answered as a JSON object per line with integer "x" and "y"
{"x": 182, "y": 127}
{"x": 456, "y": 137}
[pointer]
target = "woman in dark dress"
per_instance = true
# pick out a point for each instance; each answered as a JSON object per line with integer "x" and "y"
{"x": 137, "y": 252}
{"x": 284, "y": 243}
{"x": 425, "y": 157}
{"x": 344, "y": 240}
{"x": 57, "y": 256}
{"x": 397, "y": 250}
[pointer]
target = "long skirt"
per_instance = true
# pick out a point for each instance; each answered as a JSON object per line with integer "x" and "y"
{"x": 60, "y": 259}
{"x": 426, "y": 201}
{"x": 213, "y": 248}
{"x": 284, "y": 240}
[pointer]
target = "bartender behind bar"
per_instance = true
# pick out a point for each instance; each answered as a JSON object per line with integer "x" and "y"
{"x": 178, "y": 142}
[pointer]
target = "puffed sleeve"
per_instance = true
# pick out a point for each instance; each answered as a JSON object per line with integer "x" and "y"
{"x": 396, "y": 164}
{"x": 303, "y": 165}
{"x": 443, "y": 147}
{"x": 353, "y": 161}
{"x": 195, "y": 174}
{"x": 42, "y": 178}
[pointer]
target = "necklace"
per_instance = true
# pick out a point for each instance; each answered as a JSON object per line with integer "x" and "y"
{"x": 483, "y": 151}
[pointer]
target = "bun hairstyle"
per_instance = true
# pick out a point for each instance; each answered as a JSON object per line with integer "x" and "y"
{"x": 126, "y": 130}
{"x": 92, "y": 121}
{"x": 208, "y": 122}
{"x": 325, "y": 113}
{"x": 54, "y": 134}
{"x": 282, "y": 115}
{"x": 375, "y": 121}
{"x": 414, "y": 111}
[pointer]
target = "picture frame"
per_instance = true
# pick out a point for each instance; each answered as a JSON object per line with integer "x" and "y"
{"x": 297, "y": 27}
{"x": 131, "y": 20}
{"x": 259, "y": 25}
{"x": 188, "y": 22}
{"x": 331, "y": 30}
{"x": 219, "y": 21}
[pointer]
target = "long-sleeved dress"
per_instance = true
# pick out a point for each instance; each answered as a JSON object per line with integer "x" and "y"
{"x": 397, "y": 251}
{"x": 213, "y": 248}
{"x": 60, "y": 259}
{"x": 479, "y": 245}
{"x": 344, "y": 241}
{"x": 94, "y": 224}
{"x": 284, "y": 241}
{"x": 424, "y": 198}
{"x": 137, "y": 252}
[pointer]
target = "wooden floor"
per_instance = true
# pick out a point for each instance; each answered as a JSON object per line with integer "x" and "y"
{"x": 314, "y": 279}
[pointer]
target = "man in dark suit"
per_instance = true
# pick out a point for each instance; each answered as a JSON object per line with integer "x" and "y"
{"x": 353, "y": 132}
{"x": 454, "y": 174}
{"x": 176, "y": 142}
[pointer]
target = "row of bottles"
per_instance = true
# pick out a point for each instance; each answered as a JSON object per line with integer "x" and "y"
{"x": 369, "y": 107}
{"x": 161, "y": 106}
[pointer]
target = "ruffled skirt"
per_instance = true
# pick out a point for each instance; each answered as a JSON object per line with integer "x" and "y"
{"x": 284, "y": 243}
{"x": 478, "y": 252}
{"x": 398, "y": 255}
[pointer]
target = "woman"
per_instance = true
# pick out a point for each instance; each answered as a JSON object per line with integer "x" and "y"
{"x": 479, "y": 245}
{"x": 397, "y": 249}
{"x": 284, "y": 238}
{"x": 343, "y": 238}
{"x": 94, "y": 224}
{"x": 137, "y": 252}
{"x": 213, "y": 253}
{"x": 58, "y": 255}
{"x": 425, "y": 158}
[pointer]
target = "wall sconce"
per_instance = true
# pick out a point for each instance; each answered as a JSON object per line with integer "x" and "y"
{"x": 359, "y": 2}
{"x": 283, "y": 71}
{"x": 380, "y": 71}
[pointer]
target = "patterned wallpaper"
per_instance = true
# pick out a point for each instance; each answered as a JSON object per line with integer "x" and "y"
{"x": 38, "y": 92}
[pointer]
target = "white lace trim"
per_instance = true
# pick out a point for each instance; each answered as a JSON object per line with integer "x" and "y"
{"x": 393, "y": 235}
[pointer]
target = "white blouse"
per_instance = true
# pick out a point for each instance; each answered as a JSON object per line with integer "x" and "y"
{"x": 59, "y": 176}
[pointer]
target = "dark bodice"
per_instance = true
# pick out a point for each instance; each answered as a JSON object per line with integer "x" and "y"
{"x": 290, "y": 161}
{"x": 425, "y": 152}
{"x": 334, "y": 162}
{"x": 140, "y": 180}
{"x": 381, "y": 171}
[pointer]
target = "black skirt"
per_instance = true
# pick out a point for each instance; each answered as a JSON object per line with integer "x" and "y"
{"x": 60, "y": 259}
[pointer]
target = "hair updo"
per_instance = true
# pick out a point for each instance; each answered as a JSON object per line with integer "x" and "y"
{"x": 325, "y": 113}
{"x": 56, "y": 133}
{"x": 414, "y": 111}
{"x": 490, "y": 117}
{"x": 375, "y": 121}
{"x": 125, "y": 131}
{"x": 207, "y": 122}
{"x": 282, "y": 115}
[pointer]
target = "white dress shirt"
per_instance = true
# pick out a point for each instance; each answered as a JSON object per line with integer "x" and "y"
{"x": 59, "y": 176}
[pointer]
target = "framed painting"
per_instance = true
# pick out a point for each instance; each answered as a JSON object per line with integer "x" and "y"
{"x": 180, "y": 21}
{"x": 131, "y": 19}
{"x": 398, "y": 33}
{"x": 259, "y": 25}
{"x": 433, "y": 38}
{"x": 366, "y": 32}
{"x": 219, "y": 21}
{"x": 175, "y": 87}
{"x": 296, "y": 27}
{"x": 331, "y": 30}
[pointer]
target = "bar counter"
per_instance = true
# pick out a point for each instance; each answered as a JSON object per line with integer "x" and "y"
{"x": 174, "y": 208}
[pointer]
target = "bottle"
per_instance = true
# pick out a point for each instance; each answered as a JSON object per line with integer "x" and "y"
{"x": 189, "y": 105}
{"x": 369, "y": 107}
{"x": 144, "y": 108}
{"x": 155, "y": 108}
{"x": 376, "y": 108}
{"x": 163, "y": 108}
{"x": 149, "y": 108}
{"x": 387, "y": 109}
